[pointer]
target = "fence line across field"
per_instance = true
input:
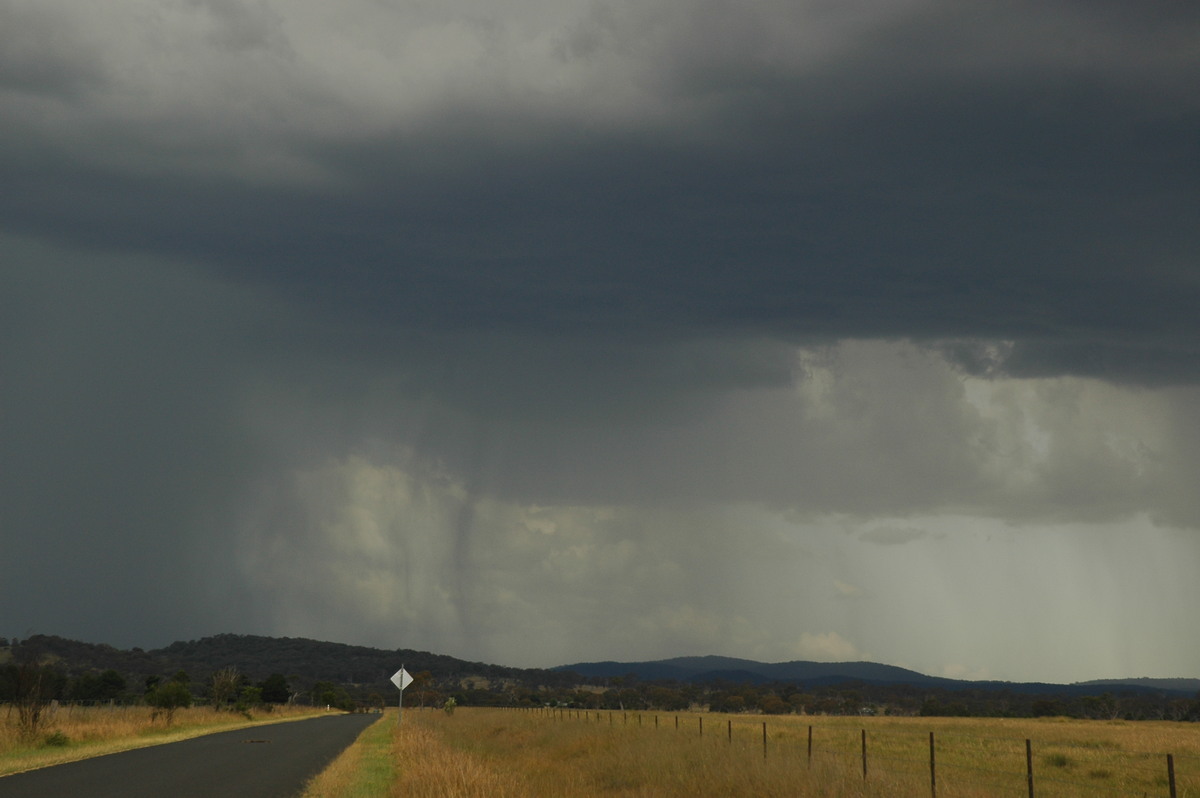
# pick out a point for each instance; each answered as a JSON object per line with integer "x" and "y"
{"x": 854, "y": 747}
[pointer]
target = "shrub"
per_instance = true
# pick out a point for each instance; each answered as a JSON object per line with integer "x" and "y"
{"x": 57, "y": 739}
{"x": 1058, "y": 760}
{"x": 166, "y": 698}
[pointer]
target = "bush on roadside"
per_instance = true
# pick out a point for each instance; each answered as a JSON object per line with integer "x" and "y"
{"x": 166, "y": 698}
{"x": 57, "y": 739}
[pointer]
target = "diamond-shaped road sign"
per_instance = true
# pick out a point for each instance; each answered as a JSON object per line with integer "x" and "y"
{"x": 401, "y": 678}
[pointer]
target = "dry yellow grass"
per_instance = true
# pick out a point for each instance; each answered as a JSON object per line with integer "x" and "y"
{"x": 509, "y": 753}
{"x": 82, "y": 732}
{"x": 988, "y": 756}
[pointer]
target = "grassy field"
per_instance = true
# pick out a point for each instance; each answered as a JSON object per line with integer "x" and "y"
{"x": 567, "y": 754}
{"x": 69, "y": 733}
{"x": 499, "y": 753}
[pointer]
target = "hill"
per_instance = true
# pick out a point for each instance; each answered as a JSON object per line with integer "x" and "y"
{"x": 699, "y": 670}
{"x": 314, "y": 669}
{"x": 1189, "y": 686}
{"x": 302, "y": 660}
{"x": 707, "y": 669}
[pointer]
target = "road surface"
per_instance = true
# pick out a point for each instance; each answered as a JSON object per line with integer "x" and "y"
{"x": 272, "y": 761}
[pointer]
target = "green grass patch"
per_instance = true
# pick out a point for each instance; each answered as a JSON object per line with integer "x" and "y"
{"x": 57, "y": 739}
{"x": 364, "y": 770}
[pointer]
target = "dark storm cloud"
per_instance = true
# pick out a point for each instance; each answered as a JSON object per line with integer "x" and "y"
{"x": 1024, "y": 173}
{"x": 439, "y": 312}
{"x": 119, "y": 459}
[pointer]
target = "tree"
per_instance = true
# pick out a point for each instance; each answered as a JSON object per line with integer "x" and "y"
{"x": 800, "y": 702}
{"x": 332, "y": 695}
{"x": 33, "y": 686}
{"x": 224, "y": 686}
{"x": 324, "y": 693}
{"x": 421, "y": 682}
{"x": 105, "y": 686}
{"x": 1046, "y": 707}
{"x": 168, "y": 697}
{"x": 725, "y": 702}
{"x": 249, "y": 698}
{"x": 667, "y": 699}
{"x": 112, "y": 684}
{"x": 275, "y": 689}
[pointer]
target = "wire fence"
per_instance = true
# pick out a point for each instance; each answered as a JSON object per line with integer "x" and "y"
{"x": 1072, "y": 759}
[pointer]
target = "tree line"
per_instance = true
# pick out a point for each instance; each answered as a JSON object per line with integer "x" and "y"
{"x": 849, "y": 698}
{"x": 228, "y": 672}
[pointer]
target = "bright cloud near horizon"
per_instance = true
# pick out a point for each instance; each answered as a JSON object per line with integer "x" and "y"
{"x": 536, "y": 333}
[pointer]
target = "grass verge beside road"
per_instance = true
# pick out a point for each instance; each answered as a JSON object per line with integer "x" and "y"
{"x": 71, "y": 733}
{"x": 364, "y": 770}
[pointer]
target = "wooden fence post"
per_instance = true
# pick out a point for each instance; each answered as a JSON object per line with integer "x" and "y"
{"x": 1171, "y": 773}
{"x": 932, "y": 770}
{"x": 764, "y": 739}
{"x": 864, "y": 752}
{"x": 810, "y": 747}
{"x": 1029, "y": 765}
{"x": 729, "y": 727}
{"x": 701, "y": 725}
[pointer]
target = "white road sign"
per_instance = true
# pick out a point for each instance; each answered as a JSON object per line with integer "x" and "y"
{"x": 401, "y": 678}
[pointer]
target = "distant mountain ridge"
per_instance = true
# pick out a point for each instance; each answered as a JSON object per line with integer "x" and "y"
{"x": 257, "y": 657}
{"x": 711, "y": 668}
{"x": 310, "y": 660}
{"x": 1173, "y": 685}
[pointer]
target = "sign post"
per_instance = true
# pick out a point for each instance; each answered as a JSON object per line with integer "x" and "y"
{"x": 401, "y": 679}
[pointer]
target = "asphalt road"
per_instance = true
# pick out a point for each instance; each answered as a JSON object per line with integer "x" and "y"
{"x": 272, "y": 761}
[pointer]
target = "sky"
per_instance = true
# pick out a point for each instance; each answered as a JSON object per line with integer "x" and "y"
{"x": 538, "y": 332}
